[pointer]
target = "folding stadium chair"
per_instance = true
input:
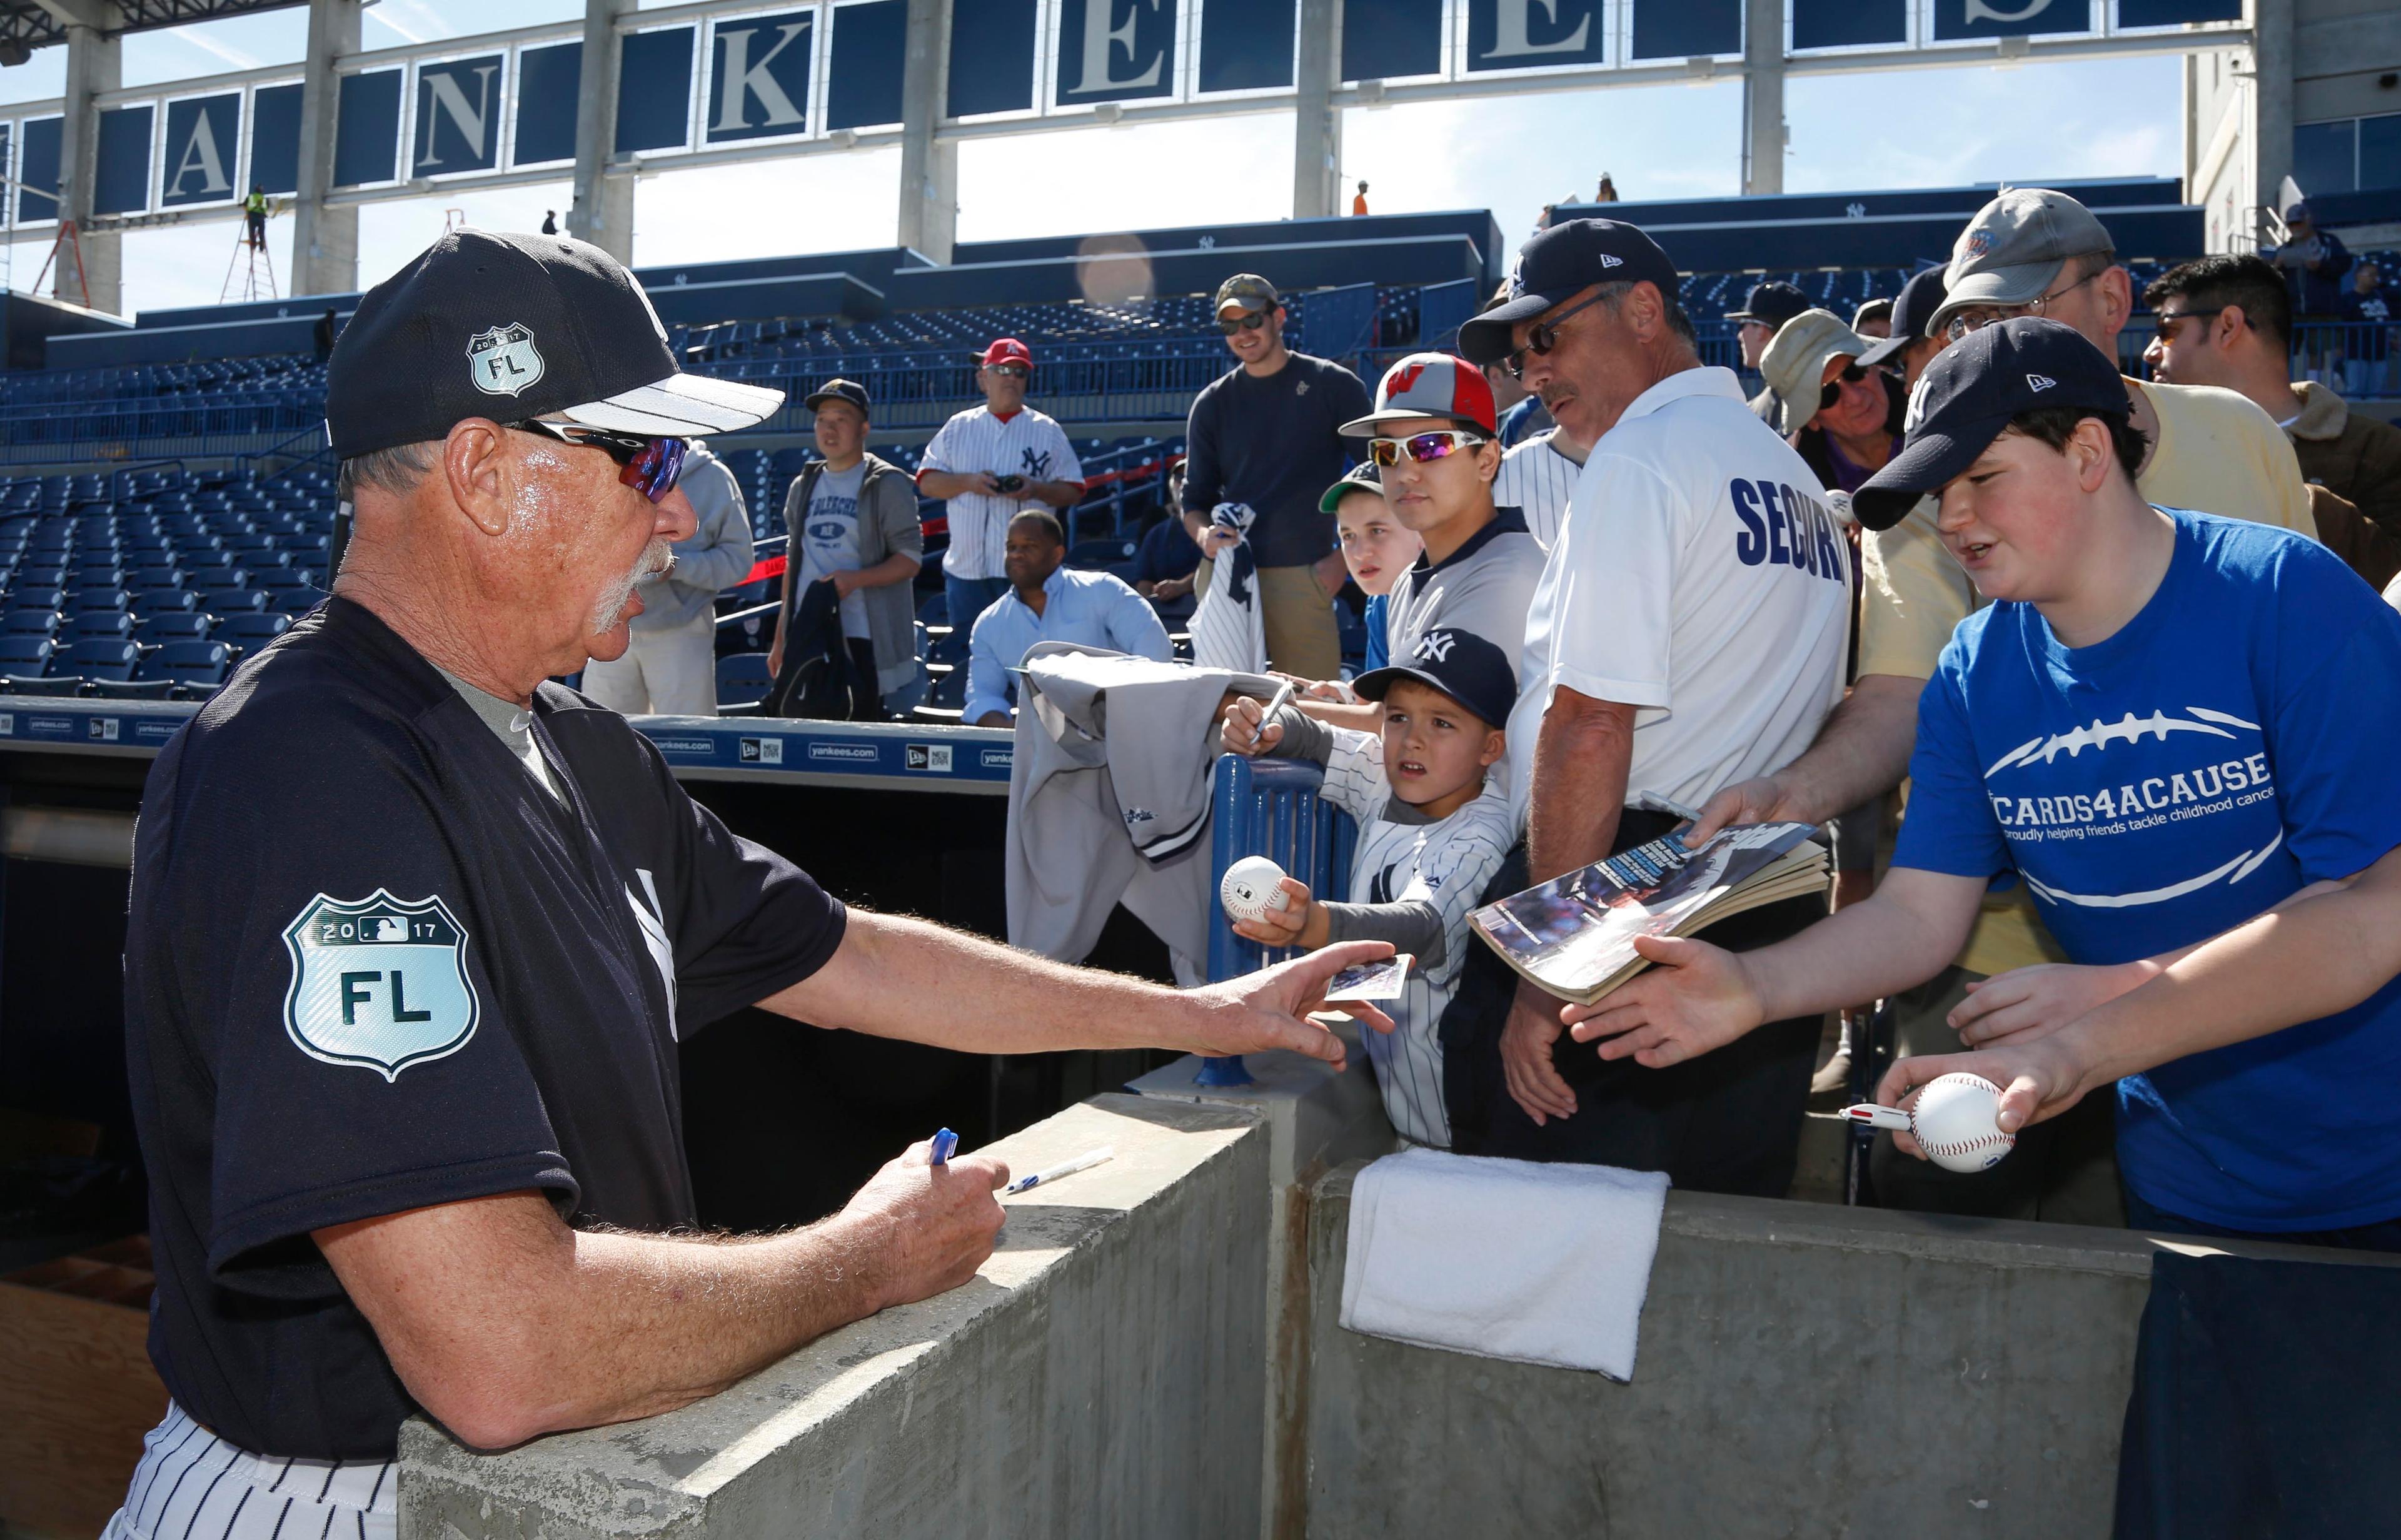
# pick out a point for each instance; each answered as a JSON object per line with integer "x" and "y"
{"x": 111, "y": 598}
{"x": 87, "y": 625}
{"x": 25, "y": 662}
{"x": 184, "y": 671}
{"x": 233, "y": 601}
{"x": 293, "y": 601}
{"x": 742, "y": 683}
{"x": 95, "y": 662}
{"x": 156, "y": 630}
{"x": 262, "y": 564}
{"x": 36, "y": 595}
{"x": 164, "y": 602}
{"x": 254, "y": 629}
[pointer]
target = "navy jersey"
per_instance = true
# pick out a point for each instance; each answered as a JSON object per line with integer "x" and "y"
{"x": 374, "y": 964}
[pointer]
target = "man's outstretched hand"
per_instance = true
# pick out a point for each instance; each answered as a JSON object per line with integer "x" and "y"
{"x": 1271, "y": 1008}
{"x": 1695, "y": 999}
{"x": 1760, "y": 800}
{"x": 2040, "y": 1079}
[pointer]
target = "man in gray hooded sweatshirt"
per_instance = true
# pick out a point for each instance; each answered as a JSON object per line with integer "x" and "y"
{"x": 670, "y": 664}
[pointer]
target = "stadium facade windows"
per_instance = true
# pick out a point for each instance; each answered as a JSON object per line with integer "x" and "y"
{"x": 2348, "y": 154}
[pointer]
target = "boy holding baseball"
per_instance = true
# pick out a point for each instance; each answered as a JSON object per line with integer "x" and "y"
{"x": 1430, "y": 835}
{"x": 2179, "y": 731}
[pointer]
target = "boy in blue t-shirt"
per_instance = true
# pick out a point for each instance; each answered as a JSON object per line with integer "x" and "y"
{"x": 2167, "y": 726}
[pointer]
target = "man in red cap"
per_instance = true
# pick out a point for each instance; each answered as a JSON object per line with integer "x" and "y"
{"x": 989, "y": 462}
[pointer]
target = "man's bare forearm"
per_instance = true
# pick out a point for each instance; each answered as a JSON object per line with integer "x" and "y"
{"x": 1583, "y": 752}
{"x": 1904, "y": 935}
{"x": 898, "y": 977}
{"x": 946, "y": 483}
{"x": 567, "y": 1328}
{"x": 1862, "y": 751}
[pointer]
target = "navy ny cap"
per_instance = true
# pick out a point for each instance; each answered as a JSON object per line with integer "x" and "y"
{"x": 1462, "y": 665}
{"x": 1913, "y": 314}
{"x": 512, "y": 327}
{"x": 1771, "y": 304}
{"x": 1970, "y": 394}
{"x": 1556, "y": 266}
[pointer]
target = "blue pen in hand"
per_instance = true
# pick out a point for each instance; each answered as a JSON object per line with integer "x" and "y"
{"x": 946, "y": 1144}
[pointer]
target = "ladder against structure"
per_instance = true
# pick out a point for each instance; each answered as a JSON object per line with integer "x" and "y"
{"x": 251, "y": 274}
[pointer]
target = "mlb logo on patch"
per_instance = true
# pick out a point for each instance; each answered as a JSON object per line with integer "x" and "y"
{"x": 932, "y": 757}
{"x": 763, "y": 751}
{"x": 503, "y": 361}
{"x": 378, "y": 982}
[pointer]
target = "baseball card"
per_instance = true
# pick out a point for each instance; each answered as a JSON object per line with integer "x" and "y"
{"x": 1380, "y": 980}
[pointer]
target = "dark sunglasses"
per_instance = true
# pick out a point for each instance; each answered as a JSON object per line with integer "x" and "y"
{"x": 2169, "y": 319}
{"x": 1852, "y": 374}
{"x": 651, "y": 466}
{"x": 1421, "y": 447}
{"x": 1249, "y": 320}
{"x": 1014, "y": 371}
{"x": 1543, "y": 336}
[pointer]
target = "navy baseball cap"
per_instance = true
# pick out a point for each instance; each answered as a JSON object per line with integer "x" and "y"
{"x": 838, "y": 390}
{"x": 512, "y": 327}
{"x": 1912, "y": 314}
{"x": 1362, "y": 477}
{"x": 1969, "y": 393}
{"x": 1462, "y": 665}
{"x": 1556, "y": 266}
{"x": 1771, "y": 304}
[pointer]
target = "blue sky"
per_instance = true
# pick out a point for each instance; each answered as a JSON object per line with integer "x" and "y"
{"x": 1902, "y": 129}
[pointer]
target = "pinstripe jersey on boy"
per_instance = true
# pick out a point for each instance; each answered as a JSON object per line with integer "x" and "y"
{"x": 1026, "y": 444}
{"x": 1537, "y": 480}
{"x": 1445, "y": 862}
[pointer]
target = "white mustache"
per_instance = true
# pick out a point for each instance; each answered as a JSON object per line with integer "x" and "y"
{"x": 658, "y": 560}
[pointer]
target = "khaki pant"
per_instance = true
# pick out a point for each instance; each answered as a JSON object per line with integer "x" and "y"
{"x": 1298, "y": 615}
{"x": 671, "y": 673}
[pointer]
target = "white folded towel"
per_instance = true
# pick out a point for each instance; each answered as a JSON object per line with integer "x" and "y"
{"x": 1541, "y": 1264}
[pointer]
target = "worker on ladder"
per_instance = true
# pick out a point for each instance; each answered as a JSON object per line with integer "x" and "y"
{"x": 254, "y": 212}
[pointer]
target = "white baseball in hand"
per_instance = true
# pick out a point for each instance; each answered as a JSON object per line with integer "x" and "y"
{"x": 1957, "y": 1123}
{"x": 1251, "y": 886}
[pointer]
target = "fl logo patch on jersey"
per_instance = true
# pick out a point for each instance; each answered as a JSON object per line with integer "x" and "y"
{"x": 378, "y": 982}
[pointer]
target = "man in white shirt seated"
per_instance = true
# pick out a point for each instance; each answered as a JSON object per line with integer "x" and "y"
{"x": 1048, "y": 601}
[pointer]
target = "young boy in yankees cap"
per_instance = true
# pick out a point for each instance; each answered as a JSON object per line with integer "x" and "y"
{"x": 1432, "y": 831}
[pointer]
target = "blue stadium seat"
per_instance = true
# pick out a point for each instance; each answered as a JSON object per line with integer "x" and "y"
{"x": 185, "y": 669}
{"x": 742, "y": 683}
{"x": 25, "y": 660}
{"x": 97, "y": 660}
{"x": 36, "y": 596}
{"x": 28, "y": 623}
{"x": 293, "y": 601}
{"x": 161, "y": 576}
{"x": 251, "y": 628}
{"x": 153, "y": 629}
{"x": 154, "y": 601}
{"x": 233, "y": 601}
{"x": 111, "y": 598}
{"x": 1094, "y": 555}
{"x": 88, "y": 624}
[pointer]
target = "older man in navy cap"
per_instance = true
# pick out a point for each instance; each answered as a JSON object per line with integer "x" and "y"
{"x": 1695, "y": 535}
{"x": 409, "y": 1103}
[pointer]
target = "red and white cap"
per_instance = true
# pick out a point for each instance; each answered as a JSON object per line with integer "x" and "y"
{"x": 1007, "y": 350}
{"x": 1429, "y": 385}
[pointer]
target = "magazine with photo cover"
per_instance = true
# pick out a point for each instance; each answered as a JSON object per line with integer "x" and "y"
{"x": 1574, "y": 935}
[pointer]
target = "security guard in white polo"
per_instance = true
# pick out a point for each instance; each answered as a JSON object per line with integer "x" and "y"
{"x": 1700, "y": 580}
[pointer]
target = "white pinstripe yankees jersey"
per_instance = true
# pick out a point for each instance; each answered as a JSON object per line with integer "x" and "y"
{"x": 1538, "y": 480}
{"x": 1028, "y": 444}
{"x": 192, "y": 1485}
{"x": 1445, "y": 863}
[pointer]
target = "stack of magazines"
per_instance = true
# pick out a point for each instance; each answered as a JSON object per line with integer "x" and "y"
{"x": 1574, "y": 935}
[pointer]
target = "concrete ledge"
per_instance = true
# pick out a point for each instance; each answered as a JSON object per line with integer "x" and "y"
{"x": 1804, "y": 1370}
{"x": 1104, "y": 1374}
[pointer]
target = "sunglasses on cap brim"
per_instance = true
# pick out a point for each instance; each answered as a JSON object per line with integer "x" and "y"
{"x": 651, "y": 466}
{"x": 1422, "y": 447}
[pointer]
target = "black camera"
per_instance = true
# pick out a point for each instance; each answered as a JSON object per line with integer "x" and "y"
{"x": 1008, "y": 484}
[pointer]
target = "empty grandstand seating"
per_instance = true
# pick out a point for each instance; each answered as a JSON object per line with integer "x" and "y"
{"x": 148, "y": 583}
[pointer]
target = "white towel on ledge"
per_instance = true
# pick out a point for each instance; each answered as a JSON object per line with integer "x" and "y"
{"x": 1541, "y": 1264}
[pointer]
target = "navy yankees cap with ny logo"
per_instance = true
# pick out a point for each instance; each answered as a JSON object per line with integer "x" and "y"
{"x": 1462, "y": 665}
{"x": 511, "y": 328}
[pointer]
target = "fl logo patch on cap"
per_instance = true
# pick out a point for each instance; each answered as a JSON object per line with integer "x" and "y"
{"x": 378, "y": 982}
{"x": 503, "y": 361}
